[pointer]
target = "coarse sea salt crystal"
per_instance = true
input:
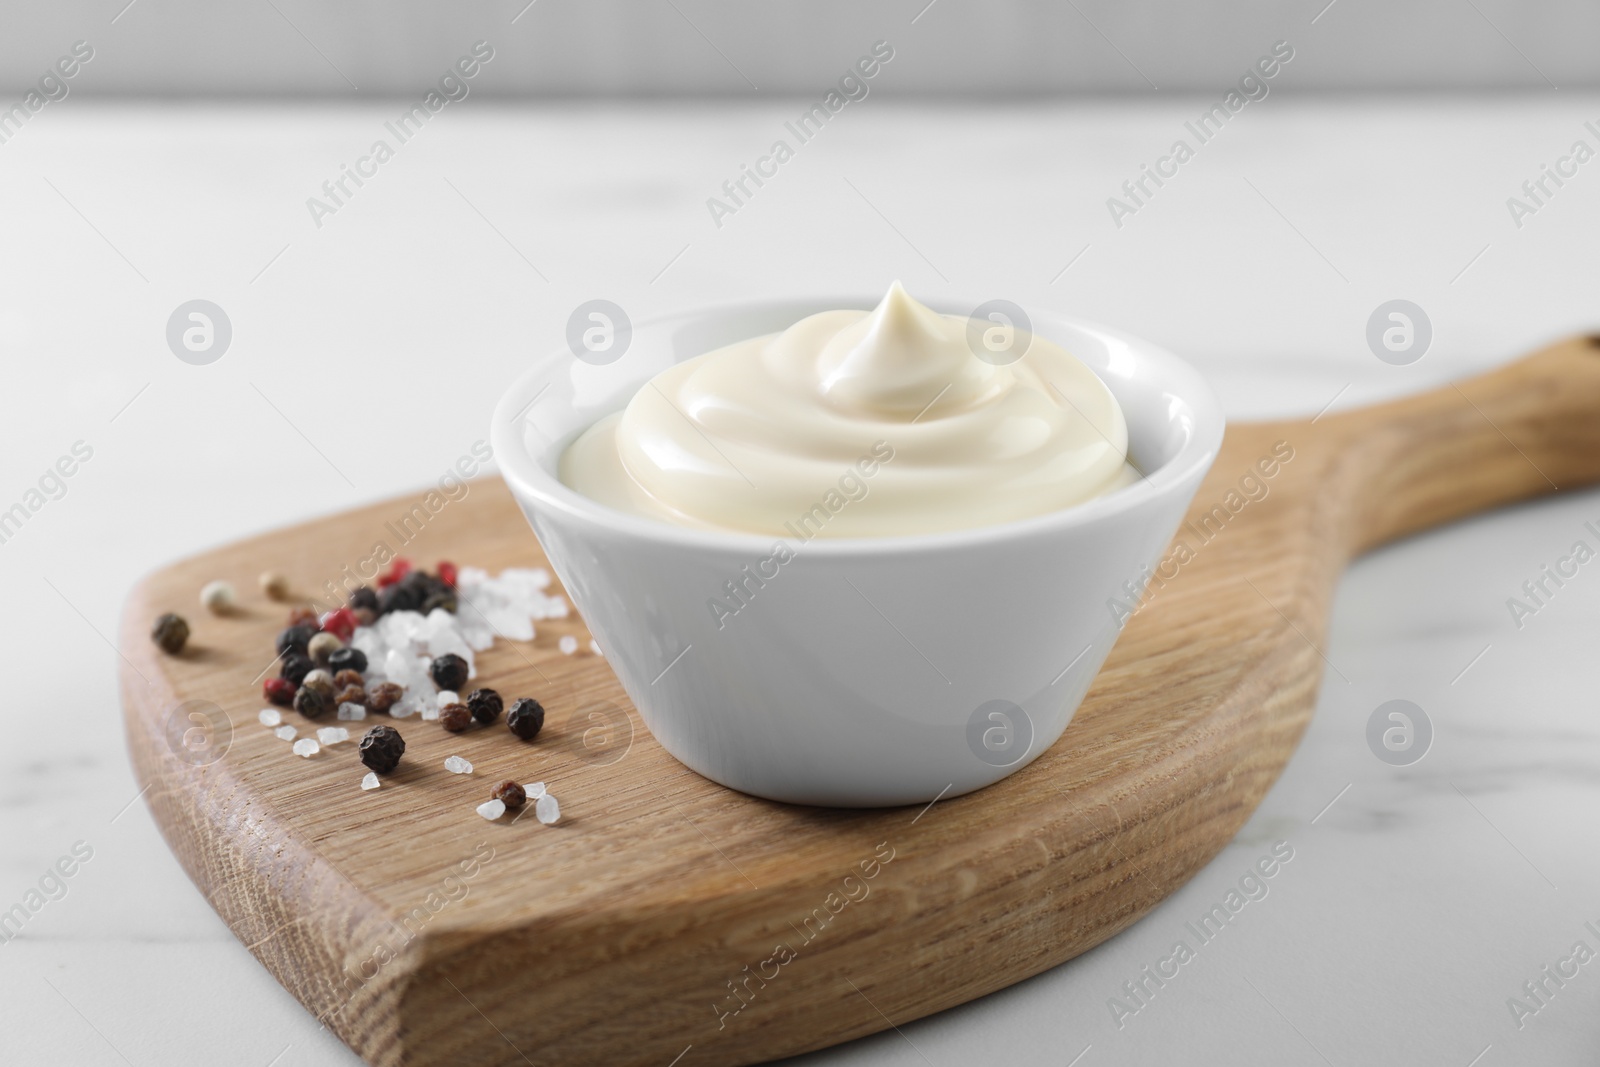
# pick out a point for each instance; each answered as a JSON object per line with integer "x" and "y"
{"x": 448, "y": 641}
{"x": 535, "y": 790}
{"x": 547, "y": 810}
{"x": 269, "y": 716}
{"x": 370, "y": 781}
{"x": 370, "y": 643}
{"x": 403, "y": 710}
{"x": 525, "y": 577}
{"x": 332, "y": 735}
{"x": 448, "y": 697}
{"x": 401, "y": 627}
{"x": 457, "y": 765}
{"x": 352, "y": 712}
{"x": 286, "y": 732}
{"x": 492, "y": 809}
{"x": 306, "y": 747}
{"x": 512, "y": 624}
{"x": 430, "y": 714}
{"x": 568, "y": 645}
{"x": 397, "y": 667}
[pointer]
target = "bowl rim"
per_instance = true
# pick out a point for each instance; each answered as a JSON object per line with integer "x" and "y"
{"x": 528, "y": 479}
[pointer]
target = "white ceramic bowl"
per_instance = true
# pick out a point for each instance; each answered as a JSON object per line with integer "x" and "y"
{"x": 866, "y": 671}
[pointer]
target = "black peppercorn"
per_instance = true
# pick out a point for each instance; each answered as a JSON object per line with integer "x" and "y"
{"x": 526, "y": 718}
{"x": 364, "y": 597}
{"x": 382, "y": 748}
{"x": 455, "y": 717}
{"x": 485, "y": 705}
{"x": 418, "y": 591}
{"x": 313, "y": 701}
{"x": 445, "y": 600}
{"x": 170, "y": 632}
{"x": 423, "y": 582}
{"x": 347, "y": 659}
{"x": 509, "y": 793}
{"x": 449, "y": 672}
{"x": 399, "y": 597}
{"x": 295, "y": 667}
{"x": 295, "y": 639}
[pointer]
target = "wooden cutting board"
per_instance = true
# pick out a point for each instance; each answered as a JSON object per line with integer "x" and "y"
{"x": 669, "y": 916}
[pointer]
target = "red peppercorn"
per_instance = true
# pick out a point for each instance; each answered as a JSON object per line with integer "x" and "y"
{"x": 341, "y": 623}
{"x": 448, "y": 573}
{"x": 397, "y": 570}
{"x": 279, "y": 691}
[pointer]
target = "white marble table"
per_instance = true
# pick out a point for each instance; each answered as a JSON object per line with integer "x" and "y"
{"x": 1418, "y": 900}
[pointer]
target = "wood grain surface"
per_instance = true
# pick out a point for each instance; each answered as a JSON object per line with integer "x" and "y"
{"x": 669, "y": 916}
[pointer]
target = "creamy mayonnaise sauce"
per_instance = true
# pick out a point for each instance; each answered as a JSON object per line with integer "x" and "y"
{"x": 858, "y": 424}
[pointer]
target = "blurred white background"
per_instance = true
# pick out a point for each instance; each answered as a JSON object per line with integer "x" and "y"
{"x": 561, "y": 49}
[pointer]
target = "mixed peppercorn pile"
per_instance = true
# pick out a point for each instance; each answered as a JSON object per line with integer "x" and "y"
{"x": 320, "y": 673}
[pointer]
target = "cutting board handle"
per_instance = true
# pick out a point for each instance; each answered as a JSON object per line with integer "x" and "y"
{"x": 1520, "y": 431}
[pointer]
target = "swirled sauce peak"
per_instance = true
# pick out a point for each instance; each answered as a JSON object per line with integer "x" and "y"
{"x": 891, "y": 361}
{"x": 860, "y": 424}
